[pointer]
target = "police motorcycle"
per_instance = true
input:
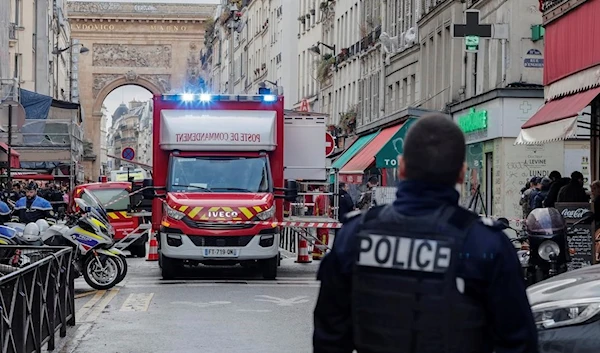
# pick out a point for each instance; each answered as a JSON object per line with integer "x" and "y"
{"x": 90, "y": 234}
{"x": 546, "y": 234}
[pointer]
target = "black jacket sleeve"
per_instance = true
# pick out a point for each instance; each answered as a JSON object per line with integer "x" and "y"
{"x": 332, "y": 316}
{"x": 508, "y": 305}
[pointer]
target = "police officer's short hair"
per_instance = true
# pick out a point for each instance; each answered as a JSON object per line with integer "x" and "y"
{"x": 374, "y": 180}
{"x": 434, "y": 150}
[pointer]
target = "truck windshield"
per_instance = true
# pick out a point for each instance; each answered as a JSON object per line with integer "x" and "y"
{"x": 112, "y": 199}
{"x": 219, "y": 174}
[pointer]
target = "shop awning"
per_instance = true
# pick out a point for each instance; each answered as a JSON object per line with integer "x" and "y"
{"x": 25, "y": 176}
{"x": 557, "y": 119}
{"x": 387, "y": 157}
{"x": 366, "y": 157}
{"x": 4, "y": 148}
{"x": 350, "y": 152}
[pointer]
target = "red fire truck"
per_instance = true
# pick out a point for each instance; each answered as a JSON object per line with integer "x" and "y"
{"x": 220, "y": 158}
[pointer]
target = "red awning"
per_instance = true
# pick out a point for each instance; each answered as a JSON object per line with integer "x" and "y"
{"x": 366, "y": 157}
{"x": 4, "y": 147}
{"x": 562, "y": 108}
{"x": 23, "y": 176}
{"x": 557, "y": 119}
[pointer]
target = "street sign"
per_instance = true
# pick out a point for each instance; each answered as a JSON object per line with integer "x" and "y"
{"x": 329, "y": 144}
{"x": 304, "y": 105}
{"x": 472, "y": 31}
{"x": 128, "y": 153}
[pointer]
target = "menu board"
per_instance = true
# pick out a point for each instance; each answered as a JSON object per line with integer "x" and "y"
{"x": 581, "y": 236}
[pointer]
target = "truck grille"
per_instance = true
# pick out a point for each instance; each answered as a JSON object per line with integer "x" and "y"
{"x": 242, "y": 240}
{"x": 214, "y": 225}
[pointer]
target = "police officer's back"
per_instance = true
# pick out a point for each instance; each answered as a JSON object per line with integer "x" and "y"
{"x": 32, "y": 207}
{"x": 424, "y": 275}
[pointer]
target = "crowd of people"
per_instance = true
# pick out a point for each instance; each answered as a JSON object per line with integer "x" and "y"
{"x": 30, "y": 201}
{"x": 547, "y": 191}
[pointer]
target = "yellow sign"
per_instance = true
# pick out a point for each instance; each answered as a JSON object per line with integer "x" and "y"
{"x": 135, "y": 175}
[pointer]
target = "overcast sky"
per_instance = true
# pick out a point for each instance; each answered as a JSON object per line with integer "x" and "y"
{"x": 124, "y": 94}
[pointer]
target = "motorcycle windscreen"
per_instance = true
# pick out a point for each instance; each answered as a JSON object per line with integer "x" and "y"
{"x": 97, "y": 208}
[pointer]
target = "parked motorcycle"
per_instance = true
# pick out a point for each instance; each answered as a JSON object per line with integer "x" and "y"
{"x": 546, "y": 233}
{"x": 89, "y": 234}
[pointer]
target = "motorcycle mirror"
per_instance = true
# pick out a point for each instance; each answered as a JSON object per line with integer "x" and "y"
{"x": 504, "y": 221}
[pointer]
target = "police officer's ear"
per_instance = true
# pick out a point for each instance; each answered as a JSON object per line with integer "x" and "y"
{"x": 401, "y": 168}
{"x": 462, "y": 174}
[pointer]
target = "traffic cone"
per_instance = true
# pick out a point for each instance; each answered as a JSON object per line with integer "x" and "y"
{"x": 152, "y": 250}
{"x": 303, "y": 254}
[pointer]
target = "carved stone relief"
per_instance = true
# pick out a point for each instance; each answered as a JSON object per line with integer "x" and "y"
{"x": 81, "y": 7}
{"x": 131, "y": 76}
{"x": 131, "y": 55}
{"x": 192, "y": 82}
{"x": 101, "y": 80}
{"x": 162, "y": 81}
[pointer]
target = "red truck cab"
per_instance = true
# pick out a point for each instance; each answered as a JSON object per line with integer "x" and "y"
{"x": 218, "y": 165}
{"x": 114, "y": 196}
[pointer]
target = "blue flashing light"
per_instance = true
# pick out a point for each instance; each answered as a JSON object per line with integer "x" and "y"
{"x": 187, "y": 97}
{"x": 269, "y": 98}
{"x": 205, "y": 97}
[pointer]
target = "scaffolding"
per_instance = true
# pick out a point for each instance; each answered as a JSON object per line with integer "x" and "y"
{"x": 47, "y": 135}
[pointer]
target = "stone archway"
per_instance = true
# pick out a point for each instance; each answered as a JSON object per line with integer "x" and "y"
{"x": 156, "y": 46}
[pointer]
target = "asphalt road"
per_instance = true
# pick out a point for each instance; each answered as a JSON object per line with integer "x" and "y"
{"x": 208, "y": 310}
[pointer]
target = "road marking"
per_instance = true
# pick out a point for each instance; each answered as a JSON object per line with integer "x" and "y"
{"x": 72, "y": 343}
{"x": 137, "y": 302}
{"x": 85, "y": 294}
{"x": 102, "y": 305}
{"x": 282, "y": 301}
{"x": 202, "y": 305}
{"x": 87, "y": 306}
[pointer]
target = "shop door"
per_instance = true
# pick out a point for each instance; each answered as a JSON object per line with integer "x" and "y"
{"x": 489, "y": 187}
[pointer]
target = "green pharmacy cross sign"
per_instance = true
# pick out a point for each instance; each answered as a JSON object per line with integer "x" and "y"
{"x": 472, "y": 44}
{"x": 475, "y": 120}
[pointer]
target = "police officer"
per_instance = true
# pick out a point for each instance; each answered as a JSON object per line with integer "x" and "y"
{"x": 32, "y": 207}
{"x": 4, "y": 212}
{"x": 423, "y": 275}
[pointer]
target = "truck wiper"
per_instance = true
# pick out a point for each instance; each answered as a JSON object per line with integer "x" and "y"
{"x": 233, "y": 189}
{"x": 192, "y": 186}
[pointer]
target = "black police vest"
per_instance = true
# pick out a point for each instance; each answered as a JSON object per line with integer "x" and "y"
{"x": 404, "y": 288}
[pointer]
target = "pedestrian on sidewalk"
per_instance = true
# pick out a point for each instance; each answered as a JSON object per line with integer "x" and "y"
{"x": 423, "y": 275}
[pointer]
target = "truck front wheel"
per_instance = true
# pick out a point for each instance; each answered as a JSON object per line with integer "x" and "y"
{"x": 170, "y": 267}
{"x": 269, "y": 268}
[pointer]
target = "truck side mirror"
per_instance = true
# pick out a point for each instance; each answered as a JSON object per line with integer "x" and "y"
{"x": 148, "y": 192}
{"x": 291, "y": 190}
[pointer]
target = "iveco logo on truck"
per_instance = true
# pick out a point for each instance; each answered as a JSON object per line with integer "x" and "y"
{"x": 222, "y": 214}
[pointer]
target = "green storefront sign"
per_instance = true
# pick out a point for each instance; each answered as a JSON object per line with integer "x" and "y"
{"x": 475, "y": 120}
{"x": 387, "y": 157}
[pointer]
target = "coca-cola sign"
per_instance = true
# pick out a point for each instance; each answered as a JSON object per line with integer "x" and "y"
{"x": 573, "y": 213}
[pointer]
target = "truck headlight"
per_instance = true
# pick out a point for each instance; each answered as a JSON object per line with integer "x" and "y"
{"x": 173, "y": 213}
{"x": 565, "y": 312}
{"x": 266, "y": 215}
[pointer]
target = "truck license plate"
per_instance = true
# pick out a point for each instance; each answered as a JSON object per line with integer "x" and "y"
{"x": 220, "y": 252}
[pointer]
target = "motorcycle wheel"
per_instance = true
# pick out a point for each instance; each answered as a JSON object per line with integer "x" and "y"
{"x": 123, "y": 266}
{"x": 101, "y": 272}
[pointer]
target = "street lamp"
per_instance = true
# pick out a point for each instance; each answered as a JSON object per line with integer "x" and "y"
{"x": 56, "y": 51}
{"x": 316, "y": 51}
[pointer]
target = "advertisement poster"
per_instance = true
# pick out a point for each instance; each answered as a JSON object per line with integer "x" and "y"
{"x": 474, "y": 177}
{"x": 577, "y": 158}
{"x": 521, "y": 162}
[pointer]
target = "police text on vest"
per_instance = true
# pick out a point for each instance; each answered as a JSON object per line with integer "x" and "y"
{"x": 404, "y": 253}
